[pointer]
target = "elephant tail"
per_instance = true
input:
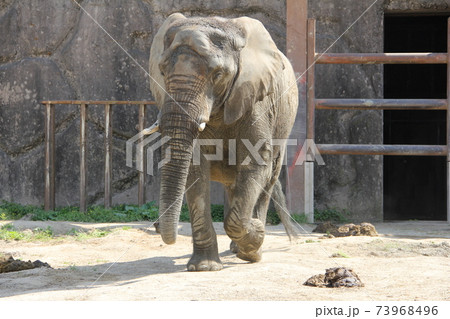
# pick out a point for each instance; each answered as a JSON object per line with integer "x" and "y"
{"x": 281, "y": 208}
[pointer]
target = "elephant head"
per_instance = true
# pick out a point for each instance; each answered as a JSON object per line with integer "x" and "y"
{"x": 203, "y": 68}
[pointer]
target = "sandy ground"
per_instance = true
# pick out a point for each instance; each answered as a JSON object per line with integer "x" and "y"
{"x": 408, "y": 261}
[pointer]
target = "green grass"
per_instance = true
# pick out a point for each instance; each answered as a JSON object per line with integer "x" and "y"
{"x": 9, "y": 233}
{"x": 147, "y": 212}
{"x": 117, "y": 214}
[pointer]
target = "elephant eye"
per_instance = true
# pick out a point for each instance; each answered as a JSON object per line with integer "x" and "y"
{"x": 217, "y": 76}
{"x": 218, "y": 40}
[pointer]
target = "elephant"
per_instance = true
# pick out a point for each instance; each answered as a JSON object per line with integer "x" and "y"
{"x": 218, "y": 79}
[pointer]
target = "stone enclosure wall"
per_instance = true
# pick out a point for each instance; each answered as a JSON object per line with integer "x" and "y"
{"x": 50, "y": 49}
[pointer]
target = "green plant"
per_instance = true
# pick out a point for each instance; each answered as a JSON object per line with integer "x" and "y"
{"x": 8, "y": 232}
{"x": 217, "y": 212}
{"x": 272, "y": 218}
{"x": 10, "y": 210}
{"x": 299, "y": 218}
{"x": 331, "y": 214}
{"x": 95, "y": 233}
{"x": 119, "y": 213}
{"x": 127, "y": 213}
{"x": 42, "y": 234}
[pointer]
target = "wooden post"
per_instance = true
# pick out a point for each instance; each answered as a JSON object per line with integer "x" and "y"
{"x": 296, "y": 35}
{"x": 141, "y": 159}
{"x": 49, "y": 157}
{"x": 108, "y": 155}
{"x": 83, "y": 168}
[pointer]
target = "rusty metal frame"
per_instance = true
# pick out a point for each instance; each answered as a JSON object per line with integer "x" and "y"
{"x": 378, "y": 104}
{"x": 50, "y": 150}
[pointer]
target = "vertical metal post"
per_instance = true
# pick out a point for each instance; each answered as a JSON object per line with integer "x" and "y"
{"x": 448, "y": 121}
{"x": 49, "y": 157}
{"x": 311, "y": 96}
{"x": 108, "y": 155}
{"x": 296, "y": 38}
{"x": 83, "y": 114}
{"x": 141, "y": 159}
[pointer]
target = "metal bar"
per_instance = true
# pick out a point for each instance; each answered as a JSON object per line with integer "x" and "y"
{"x": 108, "y": 155}
{"x": 83, "y": 172}
{"x": 382, "y": 104}
{"x": 311, "y": 95}
{"x": 49, "y": 203}
{"x": 448, "y": 121}
{"x": 379, "y": 149}
{"x": 381, "y": 58}
{"x": 141, "y": 159}
{"x": 89, "y": 102}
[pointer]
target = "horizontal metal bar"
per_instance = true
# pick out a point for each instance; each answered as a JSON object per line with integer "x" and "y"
{"x": 376, "y": 149}
{"x": 381, "y": 58}
{"x": 382, "y": 104}
{"x": 98, "y": 102}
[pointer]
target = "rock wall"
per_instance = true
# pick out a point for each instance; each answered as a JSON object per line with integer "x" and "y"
{"x": 50, "y": 50}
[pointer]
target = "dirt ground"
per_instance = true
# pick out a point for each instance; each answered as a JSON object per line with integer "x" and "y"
{"x": 408, "y": 261}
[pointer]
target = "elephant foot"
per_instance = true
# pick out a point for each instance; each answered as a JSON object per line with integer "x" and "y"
{"x": 234, "y": 247}
{"x": 204, "y": 261}
{"x": 251, "y": 256}
{"x": 249, "y": 247}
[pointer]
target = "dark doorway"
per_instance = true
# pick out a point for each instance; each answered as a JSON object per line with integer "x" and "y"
{"x": 415, "y": 186}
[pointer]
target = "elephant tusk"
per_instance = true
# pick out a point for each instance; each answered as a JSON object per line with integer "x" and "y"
{"x": 202, "y": 126}
{"x": 152, "y": 129}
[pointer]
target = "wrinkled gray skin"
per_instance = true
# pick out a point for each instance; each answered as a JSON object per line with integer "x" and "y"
{"x": 228, "y": 74}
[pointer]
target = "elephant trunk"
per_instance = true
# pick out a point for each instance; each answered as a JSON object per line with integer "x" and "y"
{"x": 182, "y": 129}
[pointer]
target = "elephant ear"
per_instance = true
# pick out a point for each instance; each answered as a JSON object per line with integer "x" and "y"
{"x": 157, "y": 85}
{"x": 260, "y": 63}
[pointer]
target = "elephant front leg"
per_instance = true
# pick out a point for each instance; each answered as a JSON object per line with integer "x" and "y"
{"x": 206, "y": 255}
{"x": 244, "y": 230}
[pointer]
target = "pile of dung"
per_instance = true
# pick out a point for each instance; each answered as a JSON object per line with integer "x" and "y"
{"x": 335, "y": 278}
{"x": 9, "y": 264}
{"x": 363, "y": 229}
